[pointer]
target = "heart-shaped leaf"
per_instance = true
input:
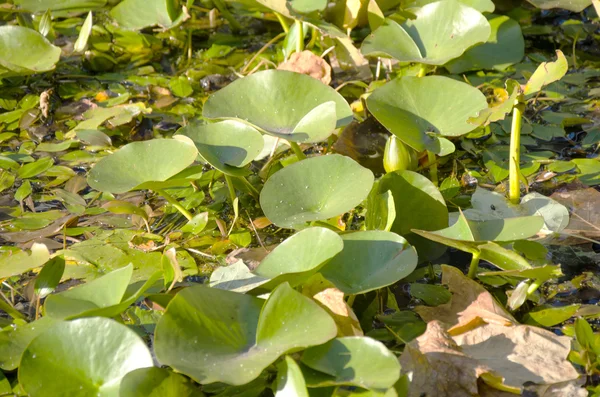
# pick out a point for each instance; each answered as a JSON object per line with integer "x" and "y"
{"x": 302, "y": 192}
{"x": 300, "y": 255}
{"x": 139, "y": 14}
{"x": 213, "y": 335}
{"x": 356, "y": 361}
{"x": 415, "y": 195}
{"x": 370, "y": 260}
{"x": 24, "y": 51}
{"x": 227, "y": 145}
{"x": 284, "y": 104}
{"x": 504, "y": 47}
{"x": 417, "y": 109}
{"x": 85, "y": 357}
{"x": 139, "y": 163}
{"x": 157, "y": 382}
{"x": 441, "y": 32}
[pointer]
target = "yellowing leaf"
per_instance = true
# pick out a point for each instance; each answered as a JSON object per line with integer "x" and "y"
{"x": 546, "y": 73}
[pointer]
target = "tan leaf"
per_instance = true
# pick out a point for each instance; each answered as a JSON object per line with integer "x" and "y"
{"x": 584, "y": 206}
{"x": 306, "y": 62}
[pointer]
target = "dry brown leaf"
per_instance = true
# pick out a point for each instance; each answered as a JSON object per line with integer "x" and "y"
{"x": 332, "y": 299}
{"x": 306, "y": 62}
{"x": 485, "y": 340}
{"x": 250, "y": 256}
{"x": 584, "y": 206}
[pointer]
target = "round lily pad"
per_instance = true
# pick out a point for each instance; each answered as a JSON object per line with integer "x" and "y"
{"x": 285, "y": 104}
{"x": 226, "y": 145}
{"x": 304, "y": 192}
{"x": 24, "y": 51}
{"x": 139, "y": 163}
{"x": 81, "y": 358}
{"x": 157, "y": 382}
{"x": 370, "y": 260}
{"x": 416, "y": 109}
{"x": 442, "y": 31}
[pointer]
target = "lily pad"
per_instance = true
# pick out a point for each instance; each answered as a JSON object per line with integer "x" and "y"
{"x": 417, "y": 109}
{"x": 227, "y": 145}
{"x": 157, "y": 382}
{"x": 504, "y": 47}
{"x": 85, "y": 357}
{"x": 137, "y": 164}
{"x": 284, "y": 104}
{"x": 301, "y": 192}
{"x": 139, "y": 14}
{"x": 571, "y": 5}
{"x": 415, "y": 195}
{"x": 59, "y": 5}
{"x": 356, "y": 361}
{"x": 24, "y": 51}
{"x": 370, "y": 260}
{"x": 300, "y": 255}
{"x": 290, "y": 381}
{"x": 213, "y": 335}
{"x": 442, "y": 31}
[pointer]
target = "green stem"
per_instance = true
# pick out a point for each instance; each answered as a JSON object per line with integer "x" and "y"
{"x": 250, "y": 186}
{"x": 474, "y": 265}
{"x": 350, "y": 300}
{"x": 514, "y": 170}
{"x": 171, "y": 200}
{"x": 230, "y": 187}
{"x": 300, "y": 41}
{"x": 433, "y": 170}
{"x": 422, "y": 71}
{"x": 235, "y": 25}
{"x": 283, "y": 22}
{"x": 534, "y": 286}
{"x": 297, "y": 151}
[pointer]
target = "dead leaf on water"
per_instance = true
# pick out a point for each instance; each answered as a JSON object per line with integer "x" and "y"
{"x": 306, "y": 62}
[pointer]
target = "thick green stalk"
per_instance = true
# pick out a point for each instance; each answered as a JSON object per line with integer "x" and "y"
{"x": 433, "y": 170}
{"x": 300, "y": 41}
{"x": 229, "y": 181}
{"x": 514, "y": 169}
{"x": 533, "y": 287}
{"x": 175, "y": 203}
{"x": 474, "y": 265}
{"x": 297, "y": 151}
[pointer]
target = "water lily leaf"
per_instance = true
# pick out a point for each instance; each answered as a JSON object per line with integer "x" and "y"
{"x": 85, "y": 357}
{"x": 139, "y": 14}
{"x": 589, "y": 171}
{"x": 301, "y": 192}
{"x": 441, "y": 32}
{"x": 504, "y": 47}
{"x": 432, "y": 295}
{"x": 234, "y": 341}
{"x": 370, "y": 260}
{"x": 124, "y": 207}
{"x": 308, "y": 6}
{"x": 415, "y": 195}
{"x": 281, "y": 104}
{"x": 290, "y": 381}
{"x": 227, "y": 145}
{"x": 15, "y": 263}
{"x": 59, "y": 5}
{"x": 236, "y": 278}
{"x": 546, "y": 73}
{"x": 157, "y": 382}
{"x": 24, "y": 51}
{"x": 583, "y": 205}
{"x": 571, "y": 5}
{"x": 414, "y": 108}
{"x": 14, "y": 341}
{"x": 138, "y": 163}
{"x": 356, "y": 361}
{"x": 381, "y": 210}
{"x": 479, "y": 5}
{"x": 473, "y": 334}
{"x": 300, "y": 255}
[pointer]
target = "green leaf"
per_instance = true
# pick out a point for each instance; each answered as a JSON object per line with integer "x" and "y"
{"x": 290, "y": 381}
{"x": 302, "y": 192}
{"x": 37, "y": 167}
{"x": 504, "y": 258}
{"x": 59, "y": 5}
{"x": 503, "y": 48}
{"x": 14, "y": 341}
{"x": 84, "y": 34}
{"x": 381, "y": 210}
{"x": 227, "y": 145}
{"x": 356, "y": 361}
{"x": 546, "y": 73}
{"x": 417, "y": 109}
{"x": 479, "y": 5}
{"x": 157, "y": 382}
{"x": 308, "y": 6}
{"x": 24, "y": 51}
{"x": 370, "y": 260}
{"x": 442, "y": 31}
{"x": 300, "y": 255}
{"x": 235, "y": 340}
{"x": 584, "y": 333}
{"x": 23, "y": 191}
{"x": 124, "y": 207}
{"x": 284, "y": 104}
{"x": 197, "y": 224}
{"x": 415, "y": 195}
{"x": 86, "y": 357}
{"x": 181, "y": 87}
{"x": 499, "y": 111}
{"x": 139, "y": 14}
{"x": 548, "y": 316}
{"x": 138, "y": 163}
{"x": 571, "y": 5}
{"x": 16, "y": 263}
{"x": 49, "y": 277}
{"x": 589, "y": 171}
{"x": 432, "y": 295}
{"x": 236, "y": 277}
